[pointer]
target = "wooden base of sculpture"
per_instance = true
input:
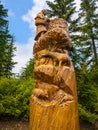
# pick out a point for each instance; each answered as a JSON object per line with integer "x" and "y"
{"x": 58, "y": 113}
{"x": 53, "y": 117}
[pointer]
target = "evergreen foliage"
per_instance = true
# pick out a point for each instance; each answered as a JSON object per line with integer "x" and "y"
{"x": 66, "y": 9}
{"x": 88, "y": 28}
{"x": 88, "y": 93}
{"x": 6, "y": 45}
{"x": 15, "y": 96}
{"x": 61, "y": 8}
{"x": 28, "y": 70}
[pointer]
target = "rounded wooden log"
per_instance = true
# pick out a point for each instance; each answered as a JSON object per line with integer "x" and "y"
{"x": 50, "y": 116}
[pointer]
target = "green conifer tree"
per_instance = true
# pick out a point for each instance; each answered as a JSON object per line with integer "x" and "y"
{"x": 88, "y": 27}
{"x": 27, "y": 72}
{"x": 66, "y": 9}
{"x": 6, "y": 45}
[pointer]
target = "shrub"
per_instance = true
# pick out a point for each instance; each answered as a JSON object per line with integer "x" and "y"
{"x": 15, "y": 96}
{"x": 85, "y": 115}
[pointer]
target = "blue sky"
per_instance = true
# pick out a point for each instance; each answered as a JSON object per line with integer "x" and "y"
{"x": 17, "y": 26}
{"x": 21, "y": 16}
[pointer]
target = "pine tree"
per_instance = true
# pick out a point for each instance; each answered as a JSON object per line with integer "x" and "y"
{"x": 88, "y": 48}
{"x": 88, "y": 27}
{"x": 66, "y": 9}
{"x": 6, "y": 45}
{"x": 59, "y": 8}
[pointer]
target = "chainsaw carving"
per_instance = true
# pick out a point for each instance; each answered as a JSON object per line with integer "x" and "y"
{"x": 40, "y": 23}
{"x": 53, "y": 103}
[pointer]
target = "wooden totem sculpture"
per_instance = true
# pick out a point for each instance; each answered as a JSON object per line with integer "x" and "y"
{"x": 53, "y": 103}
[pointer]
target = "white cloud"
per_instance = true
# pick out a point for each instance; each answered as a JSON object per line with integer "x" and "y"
{"x": 24, "y": 51}
{"x": 23, "y": 54}
{"x": 37, "y": 7}
{"x": 29, "y": 17}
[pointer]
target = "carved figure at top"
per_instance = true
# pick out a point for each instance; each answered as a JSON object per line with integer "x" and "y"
{"x": 40, "y": 23}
